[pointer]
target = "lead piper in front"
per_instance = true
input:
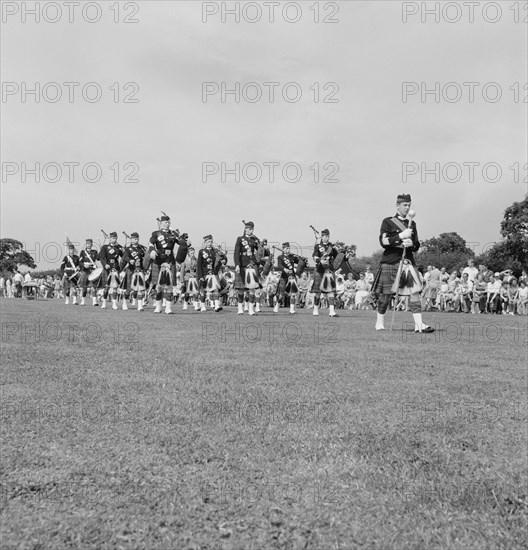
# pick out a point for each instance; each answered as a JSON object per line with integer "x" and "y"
{"x": 397, "y": 273}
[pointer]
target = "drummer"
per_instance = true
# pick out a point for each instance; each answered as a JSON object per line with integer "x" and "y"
{"x": 70, "y": 277}
{"x": 89, "y": 271}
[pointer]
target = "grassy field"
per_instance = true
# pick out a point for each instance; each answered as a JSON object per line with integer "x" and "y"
{"x": 205, "y": 431}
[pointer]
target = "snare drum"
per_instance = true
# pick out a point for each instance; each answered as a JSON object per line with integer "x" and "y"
{"x": 95, "y": 274}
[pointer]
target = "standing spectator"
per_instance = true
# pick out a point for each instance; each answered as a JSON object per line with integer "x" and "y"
{"x": 303, "y": 290}
{"x": 27, "y": 277}
{"x": 513, "y": 296}
{"x": 18, "y": 281}
{"x": 487, "y": 274}
{"x": 9, "y": 287}
{"x": 522, "y": 298}
{"x": 57, "y": 288}
{"x": 471, "y": 270}
{"x": 3, "y": 286}
{"x": 433, "y": 285}
{"x": 310, "y": 294}
{"x": 504, "y": 296}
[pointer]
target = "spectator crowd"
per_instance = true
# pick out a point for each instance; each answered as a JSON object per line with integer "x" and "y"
{"x": 472, "y": 290}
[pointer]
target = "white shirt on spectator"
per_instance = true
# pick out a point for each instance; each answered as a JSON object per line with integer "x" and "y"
{"x": 472, "y": 273}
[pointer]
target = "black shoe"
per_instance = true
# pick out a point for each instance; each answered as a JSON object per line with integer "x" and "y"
{"x": 218, "y": 309}
{"x": 425, "y": 330}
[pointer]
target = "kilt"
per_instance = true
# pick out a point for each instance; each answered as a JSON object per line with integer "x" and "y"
{"x": 156, "y": 273}
{"x": 318, "y": 279}
{"x": 240, "y": 278}
{"x": 385, "y": 278}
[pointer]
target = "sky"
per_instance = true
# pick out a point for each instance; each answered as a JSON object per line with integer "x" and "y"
{"x": 352, "y": 120}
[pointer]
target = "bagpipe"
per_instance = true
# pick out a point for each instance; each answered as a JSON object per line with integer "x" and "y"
{"x": 181, "y": 240}
{"x": 220, "y": 255}
{"x": 292, "y": 286}
{"x": 328, "y": 279}
{"x": 260, "y": 250}
{"x": 343, "y": 260}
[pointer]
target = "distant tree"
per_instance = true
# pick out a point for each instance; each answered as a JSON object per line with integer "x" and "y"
{"x": 448, "y": 250}
{"x": 360, "y": 264}
{"x": 13, "y": 255}
{"x": 512, "y": 251}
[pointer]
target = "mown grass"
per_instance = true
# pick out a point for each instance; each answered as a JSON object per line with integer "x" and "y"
{"x": 145, "y": 431}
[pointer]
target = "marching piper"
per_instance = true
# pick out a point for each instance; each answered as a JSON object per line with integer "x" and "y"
{"x": 162, "y": 243}
{"x": 247, "y": 256}
{"x": 324, "y": 280}
{"x": 286, "y": 264}
{"x": 87, "y": 258}
{"x": 189, "y": 281}
{"x": 208, "y": 267}
{"x": 109, "y": 257}
{"x": 397, "y": 273}
{"x": 132, "y": 265}
{"x": 70, "y": 270}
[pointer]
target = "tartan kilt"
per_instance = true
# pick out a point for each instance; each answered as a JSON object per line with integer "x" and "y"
{"x": 156, "y": 274}
{"x": 240, "y": 278}
{"x": 385, "y": 278}
{"x": 318, "y": 279}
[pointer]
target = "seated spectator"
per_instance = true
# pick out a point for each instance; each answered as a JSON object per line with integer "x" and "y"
{"x": 493, "y": 291}
{"x": 362, "y": 292}
{"x": 350, "y": 292}
{"x": 462, "y": 295}
{"x": 479, "y": 295}
{"x": 441, "y": 296}
{"x": 340, "y": 291}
